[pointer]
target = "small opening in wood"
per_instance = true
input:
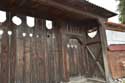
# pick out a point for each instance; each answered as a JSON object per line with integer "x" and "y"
{"x": 72, "y": 46}
{"x": 30, "y": 21}
{"x": 17, "y": 20}
{"x": 68, "y": 45}
{"x": 92, "y": 33}
{"x": 2, "y": 16}
{"x": 9, "y": 33}
{"x": 1, "y": 32}
{"x": 37, "y": 36}
{"x": 48, "y": 35}
{"x": 53, "y": 36}
{"x": 49, "y": 24}
{"x": 24, "y": 34}
{"x": 31, "y": 35}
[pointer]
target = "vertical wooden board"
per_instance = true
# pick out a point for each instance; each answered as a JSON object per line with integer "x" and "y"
{"x": 82, "y": 61}
{"x": 56, "y": 52}
{"x": 42, "y": 60}
{"x": 33, "y": 62}
{"x": 52, "y": 52}
{"x": 19, "y": 57}
{"x": 46, "y": 62}
{"x": 20, "y": 54}
{"x": 0, "y": 54}
{"x": 39, "y": 61}
{"x": 104, "y": 52}
{"x": 19, "y": 61}
{"x": 59, "y": 52}
{"x": 4, "y": 57}
{"x": 45, "y": 36}
{"x": 84, "y": 52}
{"x": 12, "y": 56}
{"x": 1, "y": 36}
{"x": 64, "y": 54}
{"x": 53, "y": 43}
{"x": 66, "y": 74}
{"x": 38, "y": 73}
{"x": 50, "y": 58}
{"x": 33, "y": 56}
{"x": 27, "y": 60}
{"x": 46, "y": 59}
{"x": 45, "y": 56}
{"x": 79, "y": 58}
{"x": 75, "y": 61}
{"x": 43, "y": 51}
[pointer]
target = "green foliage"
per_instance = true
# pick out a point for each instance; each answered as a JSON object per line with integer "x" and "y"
{"x": 123, "y": 81}
{"x": 121, "y": 9}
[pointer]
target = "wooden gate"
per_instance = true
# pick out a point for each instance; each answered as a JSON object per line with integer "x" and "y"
{"x": 39, "y": 55}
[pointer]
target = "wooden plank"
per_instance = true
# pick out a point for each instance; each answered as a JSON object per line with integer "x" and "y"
{"x": 81, "y": 60}
{"x": 13, "y": 51}
{"x": 27, "y": 61}
{"x": 57, "y": 57}
{"x": 4, "y": 57}
{"x": 64, "y": 51}
{"x": 0, "y": 54}
{"x": 97, "y": 62}
{"x": 60, "y": 54}
{"x": 104, "y": 50}
{"x": 95, "y": 42}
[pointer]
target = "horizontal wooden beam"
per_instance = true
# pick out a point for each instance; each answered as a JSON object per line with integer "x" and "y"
{"x": 95, "y": 42}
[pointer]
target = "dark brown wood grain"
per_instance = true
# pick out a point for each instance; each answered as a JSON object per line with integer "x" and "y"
{"x": 4, "y": 57}
{"x": 49, "y": 56}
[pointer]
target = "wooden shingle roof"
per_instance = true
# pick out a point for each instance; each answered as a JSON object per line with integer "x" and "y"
{"x": 115, "y": 26}
{"x": 62, "y": 9}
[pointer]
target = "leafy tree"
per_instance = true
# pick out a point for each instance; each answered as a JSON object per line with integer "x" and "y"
{"x": 121, "y": 9}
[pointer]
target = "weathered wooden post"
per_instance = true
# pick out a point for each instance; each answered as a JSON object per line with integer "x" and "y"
{"x": 104, "y": 50}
